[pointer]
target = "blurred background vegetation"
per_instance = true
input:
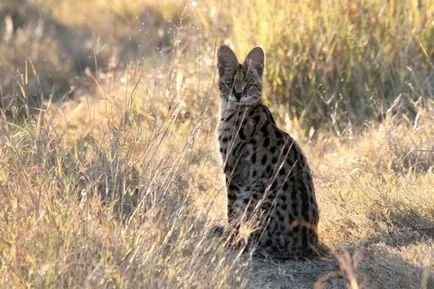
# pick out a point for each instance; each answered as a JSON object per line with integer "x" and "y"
{"x": 329, "y": 63}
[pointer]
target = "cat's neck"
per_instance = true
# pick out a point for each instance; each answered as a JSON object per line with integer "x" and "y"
{"x": 229, "y": 107}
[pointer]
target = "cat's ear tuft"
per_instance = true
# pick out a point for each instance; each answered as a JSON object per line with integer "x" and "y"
{"x": 227, "y": 62}
{"x": 255, "y": 60}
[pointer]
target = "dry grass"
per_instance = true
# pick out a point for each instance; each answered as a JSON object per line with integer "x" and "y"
{"x": 119, "y": 183}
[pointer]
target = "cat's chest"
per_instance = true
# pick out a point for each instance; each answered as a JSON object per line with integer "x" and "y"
{"x": 236, "y": 126}
{"x": 235, "y": 134}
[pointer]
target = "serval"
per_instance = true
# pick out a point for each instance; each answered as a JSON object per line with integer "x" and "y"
{"x": 268, "y": 180}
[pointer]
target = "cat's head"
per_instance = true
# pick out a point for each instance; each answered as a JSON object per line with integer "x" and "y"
{"x": 240, "y": 84}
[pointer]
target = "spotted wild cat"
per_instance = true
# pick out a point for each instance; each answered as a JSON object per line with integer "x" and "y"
{"x": 268, "y": 179}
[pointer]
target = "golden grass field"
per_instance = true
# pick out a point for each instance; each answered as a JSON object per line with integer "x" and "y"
{"x": 109, "y": 169}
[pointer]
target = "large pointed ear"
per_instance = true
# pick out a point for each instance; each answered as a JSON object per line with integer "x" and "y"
{"x": 255, "y": 60}
{"x": 227, "y": 62}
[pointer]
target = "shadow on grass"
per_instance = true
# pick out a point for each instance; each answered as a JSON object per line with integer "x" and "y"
{"x": 405, "y": 227}
{"x": 52, "y": 60}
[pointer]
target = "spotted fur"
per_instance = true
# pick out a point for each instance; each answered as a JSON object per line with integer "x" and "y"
{"x": 267, "y": 176}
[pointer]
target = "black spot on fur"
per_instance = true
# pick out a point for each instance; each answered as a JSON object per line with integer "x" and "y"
{"x": 305, "y": 212}
{"x": 294, "y": 206}
{"x": 274, "y": 160}
{"x": 294, "y": 196}
{"x": 242, "y": 134}
{"x": 278, "y": 134}
{"x": 264, "y": 160}
{"x": 304, "y": 202}
{"x": 264, "y": 129}
{"x": 253, "y": 158}
{"x": 304, "y": 237}
{"x": 266, "y": 142}
{"x": 253, "y": 141}
{"x": 273, "y": 150}
{"x": 269, "y": 169}
{"x": 254, "y": 173}
{"x": 282, "y": 197}
{"x": 284, "y": 206}
{"x": 291, "y": 218}
{"x": 257, "y": 118}
{"x": 239, "y": 148}
{"x": 285, "y": 186}
{"x": 297, "y": 154}
{"x": 233, "y": 188}
{"x": 282, "y": 172}
{"x": 229, "y": 117}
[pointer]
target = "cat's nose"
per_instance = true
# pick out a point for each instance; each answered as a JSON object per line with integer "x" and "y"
{"x": 237, "y": 95}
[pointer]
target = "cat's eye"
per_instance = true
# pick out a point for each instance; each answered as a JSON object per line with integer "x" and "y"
{"x": 252, "y": 83}
{"x": 226, "y": 84}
